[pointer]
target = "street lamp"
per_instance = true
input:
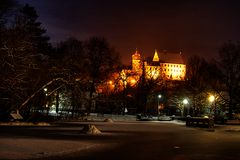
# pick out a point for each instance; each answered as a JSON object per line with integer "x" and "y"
{"x": 211, "y": 99}
{"x": 45, "y": 90}
{"x": 159, "y": 97}
{"x": 185, "y": 102}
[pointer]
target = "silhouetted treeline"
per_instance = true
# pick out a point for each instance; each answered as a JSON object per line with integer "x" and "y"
{"x": 29, "y": 62}
{"x": 35, "y": 75}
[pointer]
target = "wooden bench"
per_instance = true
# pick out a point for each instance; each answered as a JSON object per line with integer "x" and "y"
{"x": 200, "y": 122}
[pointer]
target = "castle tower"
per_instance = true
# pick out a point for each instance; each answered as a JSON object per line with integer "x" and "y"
{"x": 155, "y": 57}
{"x": 136, "y": 62}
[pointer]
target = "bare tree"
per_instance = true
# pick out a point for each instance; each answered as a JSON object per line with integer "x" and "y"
{"x": 70, "y": 62}
{"x": 146, "y": 86}
{"x": 230, "y": 65}
{"x": 101, "y": 61}
{"x": 197, "y": 82}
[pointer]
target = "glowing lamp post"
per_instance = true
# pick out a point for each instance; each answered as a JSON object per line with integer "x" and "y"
{"x": 46, "y": 94}
{"x": 158, "y": 98}
{"x": 211, "y": 99}
{"x": 45, "y": 91}
{"x": 185, "y": 102}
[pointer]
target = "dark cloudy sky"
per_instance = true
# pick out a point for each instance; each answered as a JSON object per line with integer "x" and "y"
{"x": 191, "y": 26}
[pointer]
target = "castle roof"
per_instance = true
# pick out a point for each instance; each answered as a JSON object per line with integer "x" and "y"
{"x": 171, "y": 57}
{"x": 155, "y": 57}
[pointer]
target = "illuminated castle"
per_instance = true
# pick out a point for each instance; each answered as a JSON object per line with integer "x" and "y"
{"x": 168, "y": 66}
{"x": 165, "y": 66}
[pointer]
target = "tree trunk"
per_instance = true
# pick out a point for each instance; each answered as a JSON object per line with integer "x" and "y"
{"x": 230, "y": 107}
{"x": 57, "y": 102}
{"x": 92, "y": 90}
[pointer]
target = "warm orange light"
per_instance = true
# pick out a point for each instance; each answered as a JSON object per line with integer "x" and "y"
{"x": 211, "y": 98}
{"x": 155, "y": 57}
{"x": 158, "y": 69}
{"x": 133, "y": 81}
{"x": 123, "y": 75}
{"x": 174, "y": 71}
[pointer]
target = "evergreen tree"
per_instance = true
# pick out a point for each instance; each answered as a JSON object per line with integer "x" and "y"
{"x": 26, "y": 20}
{"x": 5, "y": 7}
{"x": 21, "y": 58}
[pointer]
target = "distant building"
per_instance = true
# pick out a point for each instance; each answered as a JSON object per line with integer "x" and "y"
{"x": 168, "y": 66}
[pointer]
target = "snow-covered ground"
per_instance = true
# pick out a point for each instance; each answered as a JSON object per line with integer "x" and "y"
{"x": 102, "y": 117}
{"x": 27, "y": 148}
{"x": 20, "y": 147}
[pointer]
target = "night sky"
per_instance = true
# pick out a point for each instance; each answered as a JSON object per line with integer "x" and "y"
{"x": 191, "y": 26}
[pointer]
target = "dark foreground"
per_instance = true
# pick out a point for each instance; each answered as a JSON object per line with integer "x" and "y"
{"x": 126, "y": 140}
